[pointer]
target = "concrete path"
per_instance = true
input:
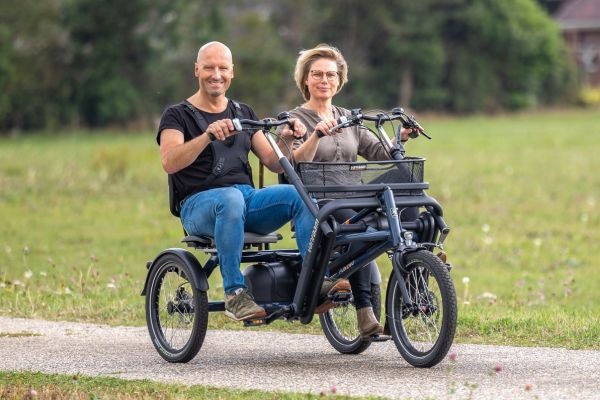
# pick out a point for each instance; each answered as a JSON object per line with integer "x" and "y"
{"x": 256, "y": 359}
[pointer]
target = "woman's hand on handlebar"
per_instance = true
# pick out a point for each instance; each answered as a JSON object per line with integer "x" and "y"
{"x": 406, "y": 133}
{"x": 325, "y": 128}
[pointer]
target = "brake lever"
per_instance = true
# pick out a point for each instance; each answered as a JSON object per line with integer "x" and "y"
{"x": 285, "y": 115}
{"x": 414, "y": 125}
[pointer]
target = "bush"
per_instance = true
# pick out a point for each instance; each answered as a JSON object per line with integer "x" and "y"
{"x": 589, "y": 96}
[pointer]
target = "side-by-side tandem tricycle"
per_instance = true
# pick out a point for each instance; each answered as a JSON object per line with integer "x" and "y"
{"x": 420, "y": 300}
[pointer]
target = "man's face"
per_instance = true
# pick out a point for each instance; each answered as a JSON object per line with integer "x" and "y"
{"x": 214, "y": 70}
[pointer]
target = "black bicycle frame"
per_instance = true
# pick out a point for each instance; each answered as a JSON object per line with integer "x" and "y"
{"x": 327, "y": 234}
{"x": 363, "y": 245}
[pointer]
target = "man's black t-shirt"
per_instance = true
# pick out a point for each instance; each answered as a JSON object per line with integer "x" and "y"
{"x": 192, "y": 179}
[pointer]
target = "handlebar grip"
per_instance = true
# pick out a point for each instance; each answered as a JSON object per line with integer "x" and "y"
{"x": 341, "y": 122}
{"x": 237, "y": 125}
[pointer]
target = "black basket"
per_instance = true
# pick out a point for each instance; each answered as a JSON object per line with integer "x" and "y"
{"x": 363, "y": 179}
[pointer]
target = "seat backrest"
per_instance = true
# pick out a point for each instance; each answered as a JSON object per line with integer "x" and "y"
{"x": 174, "y": 202}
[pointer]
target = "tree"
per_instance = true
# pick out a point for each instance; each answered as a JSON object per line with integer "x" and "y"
{"x": 104, "y": 62}
{"x": 503, "y": 55}
{"x": 33, "y": 55}
{"x": 110, "y": 60}
{"x": 460, "y": 55}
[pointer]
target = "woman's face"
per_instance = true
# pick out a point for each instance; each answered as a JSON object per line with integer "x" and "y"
{"x": 323, "y": 79}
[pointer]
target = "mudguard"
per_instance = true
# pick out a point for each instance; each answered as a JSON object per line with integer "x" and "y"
{"x": 198, "y": 278}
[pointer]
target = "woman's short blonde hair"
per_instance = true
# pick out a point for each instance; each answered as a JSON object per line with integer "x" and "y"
{"x": 306, "y": 59}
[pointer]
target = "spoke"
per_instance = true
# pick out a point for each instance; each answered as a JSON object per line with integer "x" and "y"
{"x": 421, "y": 330}
{"x": 344, "y": 319}
{"x": 176, "y": 324}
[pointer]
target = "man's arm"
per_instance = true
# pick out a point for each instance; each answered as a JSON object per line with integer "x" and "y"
{"x": 176, "y": 154}
{"x": 266, "y": 155}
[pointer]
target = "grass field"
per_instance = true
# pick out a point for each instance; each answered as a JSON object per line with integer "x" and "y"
{"x": 81, "y": 214}
{"x": 32, "y": 385}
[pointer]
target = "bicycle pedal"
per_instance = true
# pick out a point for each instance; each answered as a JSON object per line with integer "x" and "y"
{"x": 254, "y": 322}
{"x": 341, "y": 296}
{"x": 380, "y": 338}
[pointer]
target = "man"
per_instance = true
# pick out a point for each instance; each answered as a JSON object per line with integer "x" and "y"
{"x": 212, "y": 182}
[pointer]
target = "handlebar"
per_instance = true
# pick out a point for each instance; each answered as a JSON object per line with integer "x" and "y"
{"x": 408, "y": 121}
{"x": 265, "y": 124}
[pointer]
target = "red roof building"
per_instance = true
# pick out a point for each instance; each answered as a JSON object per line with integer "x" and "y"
{"x": 579, "y": 21}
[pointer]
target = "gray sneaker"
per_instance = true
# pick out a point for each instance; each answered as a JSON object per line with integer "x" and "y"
{"x": 240, "y": 306}
{"x": 328, "y": 287}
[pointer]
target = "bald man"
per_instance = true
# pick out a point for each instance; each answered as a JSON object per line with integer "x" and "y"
{"x": 211, "y": 180}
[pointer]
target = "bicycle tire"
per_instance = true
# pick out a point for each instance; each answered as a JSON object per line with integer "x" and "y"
{"x": 430, "y": 287}
{"x": 176, "y": 312}
{"x": 340, "y": 325}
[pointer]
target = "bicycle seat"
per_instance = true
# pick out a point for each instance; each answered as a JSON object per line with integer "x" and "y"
{"x": 251, "y": 239}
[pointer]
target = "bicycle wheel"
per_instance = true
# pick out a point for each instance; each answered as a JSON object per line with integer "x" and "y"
{"x": 176, "y": 312}
{"x": 340, "y": 325}
{"x": 424, "y": 332}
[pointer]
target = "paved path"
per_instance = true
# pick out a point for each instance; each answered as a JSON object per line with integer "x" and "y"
{"x": 272, "y": 361}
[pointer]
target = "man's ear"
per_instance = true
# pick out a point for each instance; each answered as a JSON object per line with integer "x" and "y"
{"x": 232, "y": 71}
{"x": 196, "y": 70}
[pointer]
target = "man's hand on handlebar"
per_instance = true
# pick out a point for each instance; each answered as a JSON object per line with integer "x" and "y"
{"x": 295, "y": 129}
{"x": 221, "y": 129}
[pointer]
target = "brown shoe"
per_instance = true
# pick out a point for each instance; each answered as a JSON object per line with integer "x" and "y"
{"x": 240, "y": 306}
{"x": 442, "y": 256}
{"x": 329, "y": 287}
{"x": 367, "y": 323}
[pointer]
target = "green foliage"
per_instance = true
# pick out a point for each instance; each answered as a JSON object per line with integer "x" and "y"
{"x": 512, "y": 50}
{"x": 457, "y": 55}
{"x": 110, "y": 59}
{"x": 589, "y": 97}
{"x": 105, "y": 63}
{"x": 260, "y": 54}
{"x": 32, "y": 58}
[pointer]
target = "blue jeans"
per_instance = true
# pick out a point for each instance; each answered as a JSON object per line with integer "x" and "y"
{"x": 225, "y": 213}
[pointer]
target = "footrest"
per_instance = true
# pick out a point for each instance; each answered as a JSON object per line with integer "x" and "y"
{"x": 380, "y": 338}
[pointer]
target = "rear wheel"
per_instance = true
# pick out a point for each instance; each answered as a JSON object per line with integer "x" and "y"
{"x": 340, "y": 325}
{"x": 423, "y": 329}
{"x": 176, "y": 312}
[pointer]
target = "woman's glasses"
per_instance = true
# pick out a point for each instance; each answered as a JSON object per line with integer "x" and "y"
{"x": 331, "y": 76}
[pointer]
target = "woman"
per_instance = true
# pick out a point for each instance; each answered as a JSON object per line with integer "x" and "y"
{"x": 320, "y": 74}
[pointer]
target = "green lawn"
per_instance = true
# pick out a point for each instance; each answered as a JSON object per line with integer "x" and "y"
{"x": 34, "y": 385}
{"x": 81, "y": 214}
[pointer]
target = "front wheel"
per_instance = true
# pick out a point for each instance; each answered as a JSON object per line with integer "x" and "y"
{"x": 340, "y": 325}
{"x": 176, "y": 312}
{"x": 422, "y": 328}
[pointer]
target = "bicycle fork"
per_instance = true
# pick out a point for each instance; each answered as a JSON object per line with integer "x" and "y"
{"x": 399, "y": 243}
